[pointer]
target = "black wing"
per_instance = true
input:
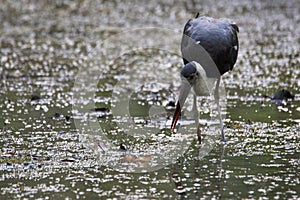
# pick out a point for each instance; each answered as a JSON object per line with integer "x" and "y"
{"x": 210, "y": 42}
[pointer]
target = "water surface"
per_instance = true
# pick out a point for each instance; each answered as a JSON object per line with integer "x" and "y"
{"x": 44, "y": 45}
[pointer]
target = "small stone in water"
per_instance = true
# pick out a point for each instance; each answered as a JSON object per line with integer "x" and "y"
{"x": 35, "y": 97}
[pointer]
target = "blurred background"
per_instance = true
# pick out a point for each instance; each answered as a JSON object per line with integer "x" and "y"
{"x": 43, "y": 44}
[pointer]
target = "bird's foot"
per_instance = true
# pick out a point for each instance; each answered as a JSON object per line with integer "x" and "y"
{"x": 199, "y": 135}
{"x": 224, "y": 141}
{"x": 223, "y": 136}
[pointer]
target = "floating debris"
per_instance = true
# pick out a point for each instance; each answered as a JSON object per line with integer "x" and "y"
{"x": 35, "y": 97}
{"x": 283, "y": 95}
{"x": 58, "y": 115}
{"x": 100, "y": 112}
{"x": 15, "y": 74}
{"x": 281, "y": 98}
{"x": 67, "y": 117}
{"x": 123, "y": 147}
{"x": 136, "y": 159}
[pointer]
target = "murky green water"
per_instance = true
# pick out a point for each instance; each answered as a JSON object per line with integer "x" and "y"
{"x": 44, "y": 45}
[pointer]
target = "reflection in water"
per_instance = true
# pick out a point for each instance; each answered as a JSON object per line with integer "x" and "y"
{"x": 179, "y": 176}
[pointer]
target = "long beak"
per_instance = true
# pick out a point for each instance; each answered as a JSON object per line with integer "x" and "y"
{"x": 184, "y": 91}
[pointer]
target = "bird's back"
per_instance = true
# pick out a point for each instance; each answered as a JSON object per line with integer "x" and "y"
{"x": 213, "y": 43}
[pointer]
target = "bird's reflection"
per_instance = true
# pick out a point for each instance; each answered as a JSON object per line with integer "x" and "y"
{"x": 178, "y": 172}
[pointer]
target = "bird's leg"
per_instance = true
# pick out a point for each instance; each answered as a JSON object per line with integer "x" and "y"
{"x": 217, "y": 99}
{"x": 196, "y": 116}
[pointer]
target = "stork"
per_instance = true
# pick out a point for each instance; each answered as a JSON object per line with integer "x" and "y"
{"x": 209, "y": 49}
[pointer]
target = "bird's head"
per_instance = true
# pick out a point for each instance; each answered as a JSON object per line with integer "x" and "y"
{"x": 189, "y": 73}
{"x": 189, "y": 76}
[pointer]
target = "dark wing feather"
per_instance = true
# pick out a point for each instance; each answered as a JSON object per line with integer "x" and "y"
{"x": 235, "y": 44}
{"x": 210, "y": 42}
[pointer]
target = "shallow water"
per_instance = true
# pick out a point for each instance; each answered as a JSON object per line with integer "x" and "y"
{"x": 66, "y": 66}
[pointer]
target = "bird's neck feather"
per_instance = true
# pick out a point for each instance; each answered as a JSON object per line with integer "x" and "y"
{"x": 203, "y": 85}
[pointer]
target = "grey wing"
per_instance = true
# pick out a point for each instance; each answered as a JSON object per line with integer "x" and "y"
{"x": 197, "y": 31}
{"x": 220, "y": 48}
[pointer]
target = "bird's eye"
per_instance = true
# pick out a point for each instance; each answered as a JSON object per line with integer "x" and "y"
{"x": 192, "y": 76}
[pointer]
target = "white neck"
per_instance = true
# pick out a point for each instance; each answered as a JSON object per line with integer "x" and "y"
{"x": 203, "y": 85}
